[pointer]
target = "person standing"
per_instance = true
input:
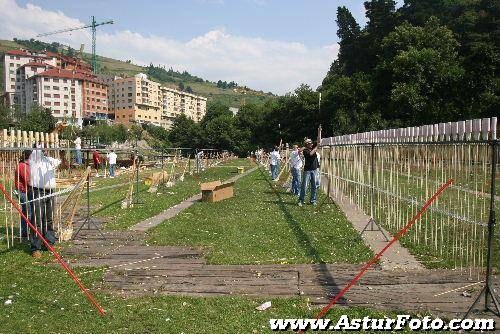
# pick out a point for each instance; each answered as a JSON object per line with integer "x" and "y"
{"x": 311, "y": 170}
{"x": 275, "y": 160}
{"x": 97, "y": 161}
{"x": 22, "y": 182}
{"x": 42, "y": 186}
{"x": 199, "y": 161}
{"x": 112, "y": 163}
{"x": 78, "y": 150}
{"x": 296, "y": 164}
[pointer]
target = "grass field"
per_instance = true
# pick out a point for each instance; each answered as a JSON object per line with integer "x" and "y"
{"x": 44, "y": 299}
{"x": 108, "y": 202}
{"x": 260, "y": 226}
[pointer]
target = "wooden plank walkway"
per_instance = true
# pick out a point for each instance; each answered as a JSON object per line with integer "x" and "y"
{"x": 134, "y": 269}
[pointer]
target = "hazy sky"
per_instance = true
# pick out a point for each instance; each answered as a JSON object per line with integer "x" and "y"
{"x": 273, "y": 45}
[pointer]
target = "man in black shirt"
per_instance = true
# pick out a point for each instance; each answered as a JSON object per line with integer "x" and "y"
{"x": 311, "y": 169}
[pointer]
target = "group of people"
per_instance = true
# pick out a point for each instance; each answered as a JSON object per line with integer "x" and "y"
{"x": 96, "y": 158}
{"x": 304, "y": 167}
{"x": 35, "y": 182}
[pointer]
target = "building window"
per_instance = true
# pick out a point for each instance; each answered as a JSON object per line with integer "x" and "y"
{"x": 57, "y": 96}
{"x": 47, "y": 103}
{"x": 57, "y": 103}
{"x": 66, "y": 96}
{"x": 46, "y": 95}
{"x": 55, "y": 87}
{"x": 55, "y": 80}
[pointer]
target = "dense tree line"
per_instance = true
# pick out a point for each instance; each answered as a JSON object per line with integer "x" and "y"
{"x": 226, "y": 85}
{"x": 429, "y": 61}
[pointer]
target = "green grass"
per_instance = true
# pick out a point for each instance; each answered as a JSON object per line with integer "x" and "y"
{"x": 46, "y": 300}
{"x": 260, "y": 226}
{"x": 109, "y": 201}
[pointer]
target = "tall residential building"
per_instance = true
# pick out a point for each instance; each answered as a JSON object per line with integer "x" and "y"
{"x": 94, "y": 98}
{"x": 12, "y": 61}
{"x": 64, "y": 84}
{"x": 23, "y": 73}
{"x": 135, "y": 100}
{"x": 70, "y": 94}
{"x": 176, "y": 103}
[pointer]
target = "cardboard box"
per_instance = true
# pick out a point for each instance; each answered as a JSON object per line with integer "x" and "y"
{"x": 216, "y": 191}
{"x": 156, "y": 178}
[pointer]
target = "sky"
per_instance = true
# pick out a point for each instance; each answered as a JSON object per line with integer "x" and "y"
{"x": 269, "y": 45}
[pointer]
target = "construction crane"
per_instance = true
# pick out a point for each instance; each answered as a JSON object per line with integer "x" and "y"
{"x": 93, "y": 25}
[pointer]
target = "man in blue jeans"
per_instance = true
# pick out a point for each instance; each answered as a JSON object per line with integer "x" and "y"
{"x": 275, "y": 161}
{"x": 296, "y": 169}
{"x": 311, "y": 170}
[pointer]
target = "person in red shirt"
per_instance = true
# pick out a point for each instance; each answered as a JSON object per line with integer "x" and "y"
{"x": 97, "y": 161}
{"x": 22, "y": 181}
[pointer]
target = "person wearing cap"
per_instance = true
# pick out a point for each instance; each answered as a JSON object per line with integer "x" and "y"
{"x": 296, "y": 164}
{"x": 311, "y": 170}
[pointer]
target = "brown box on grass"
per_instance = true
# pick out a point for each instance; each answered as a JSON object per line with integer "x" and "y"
{"x": 216, "y": 191}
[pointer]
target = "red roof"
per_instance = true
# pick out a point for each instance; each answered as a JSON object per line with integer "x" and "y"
{"x": 51, "y": 54}
{"x": 70, "y": 74}
{"x": 17, "y": 52}
{"x": 37, "y": 64}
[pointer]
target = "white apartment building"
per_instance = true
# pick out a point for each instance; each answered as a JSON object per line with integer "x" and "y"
{"x": 140, "y": 100}
{"x": 57, "y": 89}
{"x": 12, "y": 61}
{"x": 23, "y": 73}
{"x": 176, "y": 103}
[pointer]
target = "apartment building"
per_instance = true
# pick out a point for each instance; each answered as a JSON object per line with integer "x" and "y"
{"x": 23, "y": 73}
{"x": 12, "y": 61}
{"x": 64, "y": 84}
{"x": 135, "y": 99}
{"x": 60, "y": 90}
{"x": 94, "y": 98}
{"x": 176, "y": 103}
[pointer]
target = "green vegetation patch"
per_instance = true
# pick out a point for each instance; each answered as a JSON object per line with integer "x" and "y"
{"x": 261, "y": 226}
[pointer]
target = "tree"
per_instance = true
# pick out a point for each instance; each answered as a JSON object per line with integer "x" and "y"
{"x": 38, "y": 119}
{"x": 349, "y": 33}
{"x": 425, "y": 73}
{"x": 8, "y": 116}
{"x": 184, "y": 132}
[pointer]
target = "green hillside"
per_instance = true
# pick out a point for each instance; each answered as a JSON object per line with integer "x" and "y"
{"x": 234, "y": 97}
